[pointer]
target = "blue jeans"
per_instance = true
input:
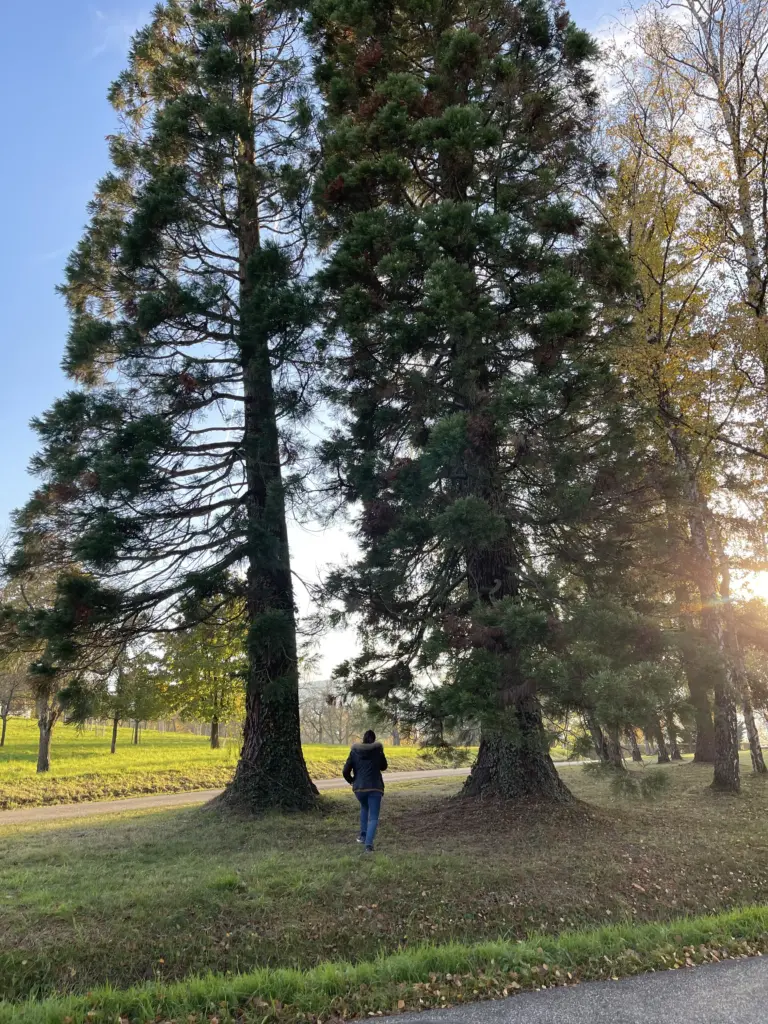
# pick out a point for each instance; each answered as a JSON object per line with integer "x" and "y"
{"x": 370, "y": 805}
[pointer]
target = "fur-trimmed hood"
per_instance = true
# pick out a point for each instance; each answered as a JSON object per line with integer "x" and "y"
{"x": 364, "y": 766}
{"x": 367, "y": 748}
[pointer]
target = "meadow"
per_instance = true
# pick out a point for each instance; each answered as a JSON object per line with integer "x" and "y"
{"x": 163, "y": 896}
{"x": 82, "y": 767}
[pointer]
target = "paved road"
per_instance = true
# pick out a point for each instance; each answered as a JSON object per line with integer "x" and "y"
{"x": 733, "y": 992}
{"x": 56, "y": 812}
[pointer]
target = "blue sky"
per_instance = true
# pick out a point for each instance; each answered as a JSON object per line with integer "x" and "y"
{"x": 55, "y": 69}
{"x": 56, "y": 62}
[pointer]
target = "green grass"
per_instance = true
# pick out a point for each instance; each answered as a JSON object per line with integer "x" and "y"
{"x": 413, "y": 979}
{"x": 82, "y": 767}
{"x": 160, "y": 896}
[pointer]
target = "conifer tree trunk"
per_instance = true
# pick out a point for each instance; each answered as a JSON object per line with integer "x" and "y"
{"x": 613, "y": 748}
{"x": 271, "y": 771}
{"x": 513, "y": 763}
{"x": 517, "y": 765}
{"x": 674, "y": 749}
{"x": 636, "y": 754}
{"x": 704, "y": 749}
{"x": 395, "y": 733}
{"x": 598, "y": 739}
{"x": 663, "y": 757}
{"x": 113, "y": 745}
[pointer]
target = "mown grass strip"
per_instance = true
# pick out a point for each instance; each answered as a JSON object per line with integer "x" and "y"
{"x": 84, "y": 770}
{"x": 427, "y": 976}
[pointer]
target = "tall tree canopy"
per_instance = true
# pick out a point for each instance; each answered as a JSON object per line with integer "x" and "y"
{"x": 166, "y": 471}
{"x": 469, "y": 305}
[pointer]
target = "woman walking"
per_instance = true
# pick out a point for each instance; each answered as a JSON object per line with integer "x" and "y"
{"x": 362, "y": 771}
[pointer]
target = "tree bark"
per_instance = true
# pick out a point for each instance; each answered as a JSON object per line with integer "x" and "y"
{"x": 516, "y": 765}
{"x": 136, "y": 732}
{"x": 704, "y": 746}
{"x": 663, "y": 757}
{"x": 598, "y": 739}
{"x": 726, "y": 764}
{"x": 674, "y": 749}
{"x": 214, "y": 734}
{"x": 637, "y": 757}
{"x": 271, "y": 771}
{"x": 613, "y": 748}
{"x": 755, "y": 750}
{"x": 395, "y": 733}
{"x": 704, "y": 749}
{"x": 113, "y": 745}
{"x": 46, "y": 719}
{"x": 5, "y": 726}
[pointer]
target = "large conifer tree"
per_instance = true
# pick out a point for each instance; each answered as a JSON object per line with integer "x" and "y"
{"x": 164, "y": 471}
{"x": 467, "y": 303}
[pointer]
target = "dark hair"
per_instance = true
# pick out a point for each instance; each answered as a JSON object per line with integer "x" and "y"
{"x": 369, "y": 736}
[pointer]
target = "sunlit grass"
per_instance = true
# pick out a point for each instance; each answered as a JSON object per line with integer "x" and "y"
{"x": 82, "y": 767}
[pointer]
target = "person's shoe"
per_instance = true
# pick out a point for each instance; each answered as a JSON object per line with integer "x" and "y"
{"x": 369, "y": 849}
{"x": 360, "y": 840}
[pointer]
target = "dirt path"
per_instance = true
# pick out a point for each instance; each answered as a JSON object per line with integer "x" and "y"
{"x": 57, "y": 812}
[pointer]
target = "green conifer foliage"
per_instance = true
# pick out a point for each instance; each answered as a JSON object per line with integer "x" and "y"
{"x": 469, "y": 306}
{"x": 167, "y": 469}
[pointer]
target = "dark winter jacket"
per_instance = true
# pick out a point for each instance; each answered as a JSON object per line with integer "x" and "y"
{"x": 364, "y": 766}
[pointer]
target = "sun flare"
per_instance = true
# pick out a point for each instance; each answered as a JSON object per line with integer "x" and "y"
{"x": 755, "y": 584}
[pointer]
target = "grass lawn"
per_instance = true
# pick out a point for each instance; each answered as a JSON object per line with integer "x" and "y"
{"x": 82, "y": 767}
{"x": 162, "y": 895}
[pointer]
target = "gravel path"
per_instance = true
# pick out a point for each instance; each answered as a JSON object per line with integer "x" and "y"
{"x": 57, "y": 812}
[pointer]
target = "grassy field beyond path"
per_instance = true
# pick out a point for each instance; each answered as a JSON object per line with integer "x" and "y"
{"x": 163, "y": 895}
{"x": 82, "y": 767}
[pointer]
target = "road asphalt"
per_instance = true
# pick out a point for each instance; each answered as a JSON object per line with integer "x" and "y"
{"x": 57, "y": 812}
{"x": 732, "y": 992}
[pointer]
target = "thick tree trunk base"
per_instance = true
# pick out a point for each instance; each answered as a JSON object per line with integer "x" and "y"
{"x": 256, "y": 789}
{"x": 704, "y": 749}
{"x": 517, "y": 767}
{"x": 271, "y": 773}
